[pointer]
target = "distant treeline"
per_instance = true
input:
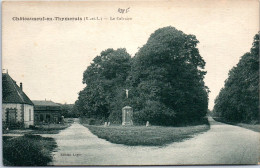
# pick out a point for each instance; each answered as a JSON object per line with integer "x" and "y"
{"x": 69, "y": 111}
{"x": 238, "y": 101}
{"x": 164, "y": 79}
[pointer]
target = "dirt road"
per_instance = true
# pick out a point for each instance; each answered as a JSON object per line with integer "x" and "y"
{"x": 222, "y": 144}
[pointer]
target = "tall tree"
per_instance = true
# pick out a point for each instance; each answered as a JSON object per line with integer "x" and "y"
{"x": 238, "y": 101}
{"x": 102, "y": 78}
{"x": 167, "y": 75}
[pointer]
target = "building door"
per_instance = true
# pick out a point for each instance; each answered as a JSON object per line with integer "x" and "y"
{"x": 48, "y": 118}
{"x": 11, "y": 116}
{"x": 55, "y": 119}
{"x": 41, "y": 117}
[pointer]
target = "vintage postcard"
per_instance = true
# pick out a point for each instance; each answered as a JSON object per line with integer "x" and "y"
{"x": 93, "y": 83}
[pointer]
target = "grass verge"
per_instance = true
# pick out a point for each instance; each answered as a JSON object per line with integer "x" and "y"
{"x": 40, "y": 129}
{"x": 146, "y": 136}
{"x": 50, "y": 129}
{"x": 27, "y": 150}
{"x": 252, "y": 127}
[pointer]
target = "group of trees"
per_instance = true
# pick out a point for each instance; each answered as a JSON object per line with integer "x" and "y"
{"x": 164, "y": 79}
{"x": 69, "y": 111}
{"x": 105, "y": 79}
{"x": 238, "y": 101}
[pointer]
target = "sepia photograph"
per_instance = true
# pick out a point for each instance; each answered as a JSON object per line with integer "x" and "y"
{"x": 130, "y": 83}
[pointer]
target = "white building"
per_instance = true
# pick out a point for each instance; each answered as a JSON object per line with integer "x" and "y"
{"x": 17, "y": 108}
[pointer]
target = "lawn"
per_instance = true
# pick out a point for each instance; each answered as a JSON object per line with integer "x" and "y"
{"x": 27, "y": 150}
{"x": 146, "y": 136}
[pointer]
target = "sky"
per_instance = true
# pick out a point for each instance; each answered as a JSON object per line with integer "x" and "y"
{"x": 49, "y": 57}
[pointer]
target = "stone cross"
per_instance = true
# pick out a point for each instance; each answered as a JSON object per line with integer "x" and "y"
{"x": 126, "y": 92}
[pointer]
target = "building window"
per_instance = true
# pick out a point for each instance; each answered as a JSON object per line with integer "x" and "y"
{"x": 30, "y": 115}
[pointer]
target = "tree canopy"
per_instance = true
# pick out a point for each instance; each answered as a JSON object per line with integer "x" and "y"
{"x": 238, "y": 101}
{"x": 164, "y": 78}
{"x": 167, "y": 77}
{"x": 103, "y": 77}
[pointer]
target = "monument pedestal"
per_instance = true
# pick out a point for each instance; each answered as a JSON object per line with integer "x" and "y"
{"x": 127, "y": 115}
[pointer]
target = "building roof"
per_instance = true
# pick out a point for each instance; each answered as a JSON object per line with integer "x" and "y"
{"x": 12, "y": 93}
{"x": 44, "y": 103}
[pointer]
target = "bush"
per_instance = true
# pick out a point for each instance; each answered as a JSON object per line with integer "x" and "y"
{"x": 31, "y": 126}
{"x": 91, "y": 121}
{"x": 156, "y": 113}
{"x": 28, "y": 150}
{"x": 17, "y": 125}
{"x": 116, "y": 117}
